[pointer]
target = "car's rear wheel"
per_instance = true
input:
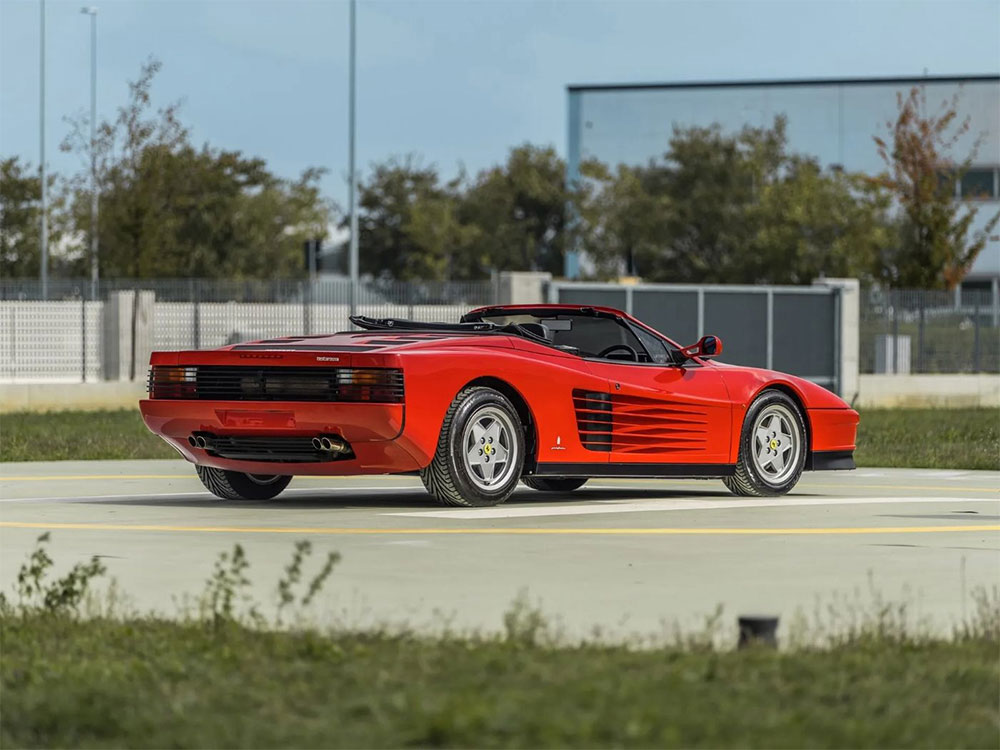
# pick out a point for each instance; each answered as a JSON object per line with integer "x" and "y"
{"x": 772, "y": 447}
{"x": 235, "y": 485}
{"x": 480, "y": 451}
{"x": 554, "y": 484}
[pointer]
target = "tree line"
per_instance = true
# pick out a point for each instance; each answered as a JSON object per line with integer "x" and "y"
{"x": 715, "y": 207}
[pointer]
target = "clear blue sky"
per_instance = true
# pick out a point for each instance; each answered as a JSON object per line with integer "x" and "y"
{"x": 456, "y": 82}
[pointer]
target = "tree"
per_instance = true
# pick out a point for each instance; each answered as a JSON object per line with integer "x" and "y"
{"x": 735, "y": 208}
{"x": 519, "y": 213}
{"x": 20, "y": 221}
{"x": 935, "y": 248}
{"x": 170, "y": 209}
{"x": 621, "y": 219}
{"x": 811, "y": 223}
{"x": 408, "y": 222}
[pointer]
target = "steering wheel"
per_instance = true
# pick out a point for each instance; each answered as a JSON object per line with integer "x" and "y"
{"x": 623, "y": 347}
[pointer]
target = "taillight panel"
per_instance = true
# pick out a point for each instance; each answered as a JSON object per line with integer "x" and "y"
{"x": 242, "y": 383}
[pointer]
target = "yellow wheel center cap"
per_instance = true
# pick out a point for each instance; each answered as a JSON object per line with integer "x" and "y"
{"x": 488, "y": 449}
{"x": 774, "y": 444}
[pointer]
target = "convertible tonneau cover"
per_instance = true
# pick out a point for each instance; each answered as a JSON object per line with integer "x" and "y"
{"x": 398, "y": 324}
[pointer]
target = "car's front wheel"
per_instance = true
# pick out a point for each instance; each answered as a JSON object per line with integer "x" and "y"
{"x": 235, "y": 485}
{"x": 554, "y": 484}
{"x": 480, "y": 451}
{"x": 772, "y": 447}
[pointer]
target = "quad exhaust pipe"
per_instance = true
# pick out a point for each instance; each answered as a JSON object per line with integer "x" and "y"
{"x": 331, "y": 444}
{"x": 199, "y": 441}
{"x": 326, "y": 444}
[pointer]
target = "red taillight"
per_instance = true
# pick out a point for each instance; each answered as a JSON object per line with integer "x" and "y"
{"x": 173, "y": 382}
{"x": 372, "y": 384}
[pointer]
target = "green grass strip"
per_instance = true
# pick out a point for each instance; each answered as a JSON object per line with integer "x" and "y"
{"x": 154, "y": 683}
{"x": 919, "y": 438}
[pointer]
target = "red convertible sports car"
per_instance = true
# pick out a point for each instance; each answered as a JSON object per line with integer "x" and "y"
{"x": 550, "y": 395}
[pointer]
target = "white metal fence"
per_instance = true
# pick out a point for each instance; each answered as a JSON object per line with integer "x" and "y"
{"x": 70, "y": 338}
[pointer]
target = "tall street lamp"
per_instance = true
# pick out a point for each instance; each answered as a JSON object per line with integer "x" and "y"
{"x": 352, "y": 197}
{"x": 94, "y": 269}
{"x": 43, "y": 271}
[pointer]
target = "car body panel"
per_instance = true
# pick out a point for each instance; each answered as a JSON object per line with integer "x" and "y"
{"x": 669, "y": 419}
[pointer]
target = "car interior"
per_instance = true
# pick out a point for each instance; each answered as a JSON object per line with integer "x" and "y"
{"x": 591, "y": 336}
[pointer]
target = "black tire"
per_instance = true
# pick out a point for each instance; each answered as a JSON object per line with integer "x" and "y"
{"x": 751, "y": 478}
{"x": 554, "y": 484}
{"x": 235, "y": 485}
{"x": 449, "y": 477}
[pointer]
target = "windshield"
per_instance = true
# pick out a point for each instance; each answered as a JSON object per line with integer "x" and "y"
{"x": 589, "y": 335}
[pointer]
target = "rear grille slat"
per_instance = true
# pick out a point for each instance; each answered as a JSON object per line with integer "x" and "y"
{"x": 243, "y": 383}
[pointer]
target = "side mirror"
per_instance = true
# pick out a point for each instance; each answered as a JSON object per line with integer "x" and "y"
{"x": 707, "y": 346}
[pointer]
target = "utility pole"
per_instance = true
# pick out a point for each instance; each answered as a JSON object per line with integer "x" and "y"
{"x": 44, "y": 267}
{"x": 352, "y": 196}
{"x": 94, "y": 268}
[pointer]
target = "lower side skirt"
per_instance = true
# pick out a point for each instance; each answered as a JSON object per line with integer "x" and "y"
{"x": 649, "y": 471}
{"x": 815, "y": 461}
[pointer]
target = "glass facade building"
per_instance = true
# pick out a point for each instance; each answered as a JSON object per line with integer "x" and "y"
{"x": 833, "y": 120}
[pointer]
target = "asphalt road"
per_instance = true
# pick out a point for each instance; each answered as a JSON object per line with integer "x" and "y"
{"x": 627, "y": 556}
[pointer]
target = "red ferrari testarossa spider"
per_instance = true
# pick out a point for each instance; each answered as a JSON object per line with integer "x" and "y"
{"x": 550, "y": 395}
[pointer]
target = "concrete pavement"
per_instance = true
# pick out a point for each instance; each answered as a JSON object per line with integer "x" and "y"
{"x": 628, "y": 556}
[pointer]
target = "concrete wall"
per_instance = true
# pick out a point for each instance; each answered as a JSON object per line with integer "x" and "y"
{"x": 523, "y": 287}
{"x": 948, "y": 391}
{"x": 63, "y": 396}
{"x": 850, "y": 340}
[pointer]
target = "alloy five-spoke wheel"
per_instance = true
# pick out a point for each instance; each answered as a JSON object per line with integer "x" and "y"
{"x": 489, "y": 443}
{"x": 772, "y": 447}
{"x": 777, "y": 443}
{"x": 480, "y": 451}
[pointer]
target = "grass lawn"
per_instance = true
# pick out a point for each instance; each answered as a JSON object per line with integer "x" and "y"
{"x": 78, "y": 435}
{"x": 930, "y": 438}
{"x": 923, "y": 438}
{"x": 155, "y": 683}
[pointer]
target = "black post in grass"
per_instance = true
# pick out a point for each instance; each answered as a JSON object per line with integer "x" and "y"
{"x": 758, "y": 630}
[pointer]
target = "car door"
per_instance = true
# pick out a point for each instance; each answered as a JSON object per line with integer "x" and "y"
{"x": 664, "y": 413}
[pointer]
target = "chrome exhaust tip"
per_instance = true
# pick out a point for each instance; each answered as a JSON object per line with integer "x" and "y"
{"x": 200, "y": 441}
{"x": 327, "y": 444}
{"x": 192, "y": 442}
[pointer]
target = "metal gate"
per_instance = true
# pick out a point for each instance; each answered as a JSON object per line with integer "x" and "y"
{"x": 794, "y": 329}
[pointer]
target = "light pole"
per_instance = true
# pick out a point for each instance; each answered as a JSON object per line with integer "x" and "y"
{"x": 44, "y": 240}
{"x": 352, "y": 197}
{"x": 94, "y": 272}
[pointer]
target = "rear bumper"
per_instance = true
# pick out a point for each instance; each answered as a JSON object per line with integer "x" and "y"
{"x": 371, "y": 430}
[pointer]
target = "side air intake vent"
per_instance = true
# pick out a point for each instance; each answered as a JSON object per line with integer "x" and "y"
{"x": 594, "y": 419}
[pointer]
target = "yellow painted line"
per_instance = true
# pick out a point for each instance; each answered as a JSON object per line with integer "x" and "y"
{"x": 492, "y": 531}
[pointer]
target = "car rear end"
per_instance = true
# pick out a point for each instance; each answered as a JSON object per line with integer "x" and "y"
{"x": 274, "y": 411}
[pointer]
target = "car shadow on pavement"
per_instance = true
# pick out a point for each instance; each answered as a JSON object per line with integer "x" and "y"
{"x": 404, "y": 498}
